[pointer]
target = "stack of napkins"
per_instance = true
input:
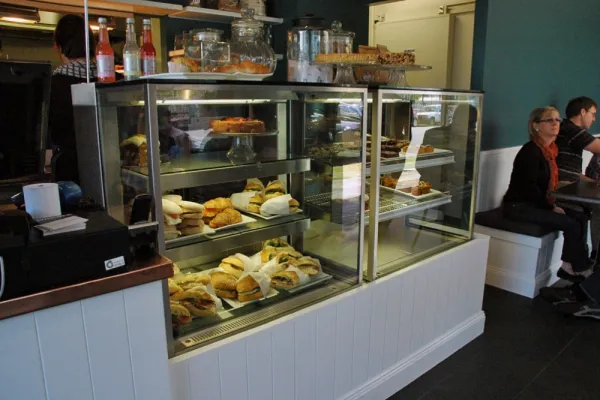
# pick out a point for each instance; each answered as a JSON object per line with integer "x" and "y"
{"x": 64, "y": 224}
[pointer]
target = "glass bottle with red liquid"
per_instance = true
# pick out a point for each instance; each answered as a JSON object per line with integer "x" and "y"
{"x": 147, "y": 51}
{"x": 105, "y": 56}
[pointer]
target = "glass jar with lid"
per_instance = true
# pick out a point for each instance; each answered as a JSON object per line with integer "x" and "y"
{"x": 250, "y": 53}
{"x": 207, "y": 48}
{"x": 340, "y": 41}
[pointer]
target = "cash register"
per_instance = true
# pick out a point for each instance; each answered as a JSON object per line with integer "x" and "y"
{"x": 30, "y": 262}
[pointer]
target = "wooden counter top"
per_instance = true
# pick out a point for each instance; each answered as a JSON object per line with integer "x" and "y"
{"x": 149, "y": 271}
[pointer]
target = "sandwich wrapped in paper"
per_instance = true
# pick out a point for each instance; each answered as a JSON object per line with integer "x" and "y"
{"x": 237, "y": 265}
{"x": 254, "y": 185}
{"x": 253, "y": 286}
{"x": 242, "y": 200}
{"x": 279, "y": 205}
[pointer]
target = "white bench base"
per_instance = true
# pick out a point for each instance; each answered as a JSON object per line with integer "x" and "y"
{"x": 522, "y": 264}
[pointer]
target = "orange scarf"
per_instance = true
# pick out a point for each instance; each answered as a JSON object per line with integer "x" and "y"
{"x": 550, "y": 152}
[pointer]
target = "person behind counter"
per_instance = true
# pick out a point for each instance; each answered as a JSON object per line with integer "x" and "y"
{"x": 534, "y": 177}
{"x": 69, "y": 40}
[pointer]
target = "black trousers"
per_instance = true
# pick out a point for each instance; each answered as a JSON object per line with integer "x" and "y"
{"x": 573, "y": 225}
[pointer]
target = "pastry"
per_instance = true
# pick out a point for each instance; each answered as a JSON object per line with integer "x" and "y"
{"x": 192, "y": 230}
{"x": 224, "y": 284}
{"x": 306, "y": 265}
{"x": 233, "y": 266}
{"x": 134, "y": 151}
{"x": 216, "y": 206}
{"x": 176, "y": 270}
{"x": 347, "y": 57}
{"x": 267, "y": 254}
{"x": 179, "y": 314}
{"x": 276, "y": 242}
{"x": 248, "y": 289}
{"x": 227, "y": 217}
{"x": 389, "y": 181}
{"x": 274, "y": 189}
{"x": 171, "y": 212}
{"x": 192, "y": 65}
{"x": 198, "y": 301}
{"x": 246, "y": 67}
{"x": 237, "y": 125}
{"x": 422, "y": 149}
{"x": 294, "y": 206}
{"x": 285, "y": 280}
{"x": 255, "y": 203}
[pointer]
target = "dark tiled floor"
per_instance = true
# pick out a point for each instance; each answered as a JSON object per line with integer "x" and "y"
{"x": 528, "y": 351}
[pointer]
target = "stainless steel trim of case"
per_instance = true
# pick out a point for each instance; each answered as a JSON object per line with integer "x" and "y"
{"x": 154, "y": 161}
{"x": 363, "y": 179}
{"x": 236, "y": 240}
{"x": 397, "y": 210}
{"x": 376, "y": 130}
{"x": 232, "y": 173}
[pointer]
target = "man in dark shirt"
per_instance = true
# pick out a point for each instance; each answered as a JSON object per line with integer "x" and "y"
{"x": 574, "y": 137}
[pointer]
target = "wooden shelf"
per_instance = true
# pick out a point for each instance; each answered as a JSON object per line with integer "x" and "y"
{"x": 207, "y": 14}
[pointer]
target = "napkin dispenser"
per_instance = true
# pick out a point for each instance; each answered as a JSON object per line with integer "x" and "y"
{"x": 32, "y": 263}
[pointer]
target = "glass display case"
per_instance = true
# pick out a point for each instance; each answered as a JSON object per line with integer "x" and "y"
{"x": 231, "y": 168}
{"x": 422, "y": 157}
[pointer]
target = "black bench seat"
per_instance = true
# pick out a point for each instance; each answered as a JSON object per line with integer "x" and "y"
{"x": 496, "y": 220}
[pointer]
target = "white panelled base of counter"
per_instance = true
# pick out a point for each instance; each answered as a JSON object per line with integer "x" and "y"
{"x": 365, "y": 344}
{"x": 107, "y": 347}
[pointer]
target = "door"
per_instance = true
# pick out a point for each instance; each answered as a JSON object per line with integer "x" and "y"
{"x": 432, "y": 39}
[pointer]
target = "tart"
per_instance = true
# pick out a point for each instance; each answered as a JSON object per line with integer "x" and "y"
{"x": 237, "y": 125}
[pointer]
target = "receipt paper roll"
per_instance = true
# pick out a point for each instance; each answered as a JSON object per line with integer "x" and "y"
{"x": 42, "y": 200}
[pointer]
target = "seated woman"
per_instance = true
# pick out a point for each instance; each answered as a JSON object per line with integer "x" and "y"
{"x": 534, "y": 177}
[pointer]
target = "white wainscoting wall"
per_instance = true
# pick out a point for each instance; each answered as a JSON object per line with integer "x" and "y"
{"x": 107, "y": 347}
{"x": 364, "y": 344}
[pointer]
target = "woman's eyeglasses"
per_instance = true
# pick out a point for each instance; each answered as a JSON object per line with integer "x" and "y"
{"x": 551, "y": 120}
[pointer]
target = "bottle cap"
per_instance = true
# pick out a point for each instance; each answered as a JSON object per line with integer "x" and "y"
{"x": 102, "y": 20}
{"x": 146, "y": 22}
{"x": 130, "y": 20}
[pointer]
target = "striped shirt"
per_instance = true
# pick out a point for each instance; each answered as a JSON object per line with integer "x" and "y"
{"x": 593, "y": 169}
{"x": 571, "y": 142}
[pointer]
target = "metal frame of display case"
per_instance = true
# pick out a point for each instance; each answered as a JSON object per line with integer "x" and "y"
{"x": 292, "y": 136}
{"x": 380, "y": 166}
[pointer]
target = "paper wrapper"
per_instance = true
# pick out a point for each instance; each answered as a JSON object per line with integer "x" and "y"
{"x": 249, "y": 263}
{"x": 241, "y": 200}
{"x": 276, "y": 181}
{"x": 271, "y": 268}
{"x": 277, "y": 206}
{"x": 176, "y": 67}
{"x": 302, "y": 277}
{"x": 257, "y": 261}
{"x": 264, "y": 281}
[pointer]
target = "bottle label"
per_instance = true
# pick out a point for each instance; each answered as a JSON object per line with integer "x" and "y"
{"x": 106, "y": 66}
{"x": 149, "y": 65}
{"x": 131, "y": 64}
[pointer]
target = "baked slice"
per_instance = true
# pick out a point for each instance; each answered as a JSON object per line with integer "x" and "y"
{"x": 237, "y": 125}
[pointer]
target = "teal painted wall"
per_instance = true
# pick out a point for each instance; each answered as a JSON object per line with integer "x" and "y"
{"x": 531, "y": 53}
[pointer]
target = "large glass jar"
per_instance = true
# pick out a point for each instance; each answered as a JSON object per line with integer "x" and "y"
{"x": 249, "y": 51}
{"x": 208, "y": 49}
{"x": 340, "y": 41}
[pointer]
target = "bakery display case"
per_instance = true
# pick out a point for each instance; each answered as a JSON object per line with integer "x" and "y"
{"x": 232, "y": 182}
{"x": 421, "y": 176}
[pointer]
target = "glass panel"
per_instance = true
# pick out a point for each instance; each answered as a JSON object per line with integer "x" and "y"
{"x": 310, "y": 152}
{"x": 123, "y": 145}
{"x": 428, "y": 148}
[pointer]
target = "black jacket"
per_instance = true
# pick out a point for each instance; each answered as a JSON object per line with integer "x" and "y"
{"x": 530, "y": 178}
